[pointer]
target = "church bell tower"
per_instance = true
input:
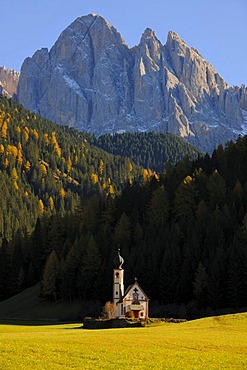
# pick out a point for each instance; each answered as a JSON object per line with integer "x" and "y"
{"x": 118, "y": 284}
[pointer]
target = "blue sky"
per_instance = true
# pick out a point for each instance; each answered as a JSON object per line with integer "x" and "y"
{"x": 217, "y": 28}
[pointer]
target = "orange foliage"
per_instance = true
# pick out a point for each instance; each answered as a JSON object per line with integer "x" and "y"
{"x": 62, "y": 193}
{"x": 46, "y": 138}
{"x": 41, "y": 207}
{"x": 27, "y": 166}
{"x": 12, "y": 150}
{"x": 55, "y": 144}
{"x": 94, "y": 178}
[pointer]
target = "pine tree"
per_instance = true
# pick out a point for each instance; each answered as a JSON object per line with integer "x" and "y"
{"x": 88, "y": 281}
{"x": 50, "y": 277}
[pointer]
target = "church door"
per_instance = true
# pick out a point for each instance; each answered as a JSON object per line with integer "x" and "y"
{"x": 136, "y": 314}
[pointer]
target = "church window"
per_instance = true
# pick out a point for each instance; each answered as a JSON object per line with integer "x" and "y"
{"x": 135, "y": 296}
{"x": 117, "y": 275}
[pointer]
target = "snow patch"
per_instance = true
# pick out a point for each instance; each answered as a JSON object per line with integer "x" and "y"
{"x": 73, "y": 85}
{"x": 120, "y": 131}
{"x": 212, "y": 126}
{"x": 142, "y": 129}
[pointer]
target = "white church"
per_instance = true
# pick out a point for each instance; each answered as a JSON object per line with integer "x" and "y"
{"x": 133, "y": 300}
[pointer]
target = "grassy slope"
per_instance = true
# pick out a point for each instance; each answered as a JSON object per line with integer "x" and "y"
{"x": 211, "y": 343}
{"x": 29, "y": 306}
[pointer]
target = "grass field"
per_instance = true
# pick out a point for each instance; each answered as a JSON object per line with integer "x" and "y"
{"x": 211, "y": 343}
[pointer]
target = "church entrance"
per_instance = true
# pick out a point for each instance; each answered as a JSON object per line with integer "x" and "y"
{"x": 136, "y": 314}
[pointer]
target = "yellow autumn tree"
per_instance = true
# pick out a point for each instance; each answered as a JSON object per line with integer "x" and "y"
{"x": 43, "y": 169}
{"x": 51, "y": 203}
{"x": 94, "y": 178}
{"x": 1, "y": 149}
{"x": 101, "y": 167}
{"x": 14, "y": 177}
{"x": 62, "y": 193}
{"x": 55, "y": 144}
{"x": 145, "y": 175}
{"x": 69, "y": 164}
{"x": 26, "y": 134}
{"x": 41, "y": 207}
{"x": 12, "y": 150}
{"x": 19, "y": 154}
{"x": 27, "y": 166}
{"x": 187, "y": 180}
{"x": 4, "y": 130}
{"x": 111, "y": 189}
{"x": 18, "y": 129}
{"x": 14, "y": 174}
{"x": 46, "y": 139}
{"x": 6, "y": 163}
{"x": 35, "y": 134}
{"x": 15, "y": 185}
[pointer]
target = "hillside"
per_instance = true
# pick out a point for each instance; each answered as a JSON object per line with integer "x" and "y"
{"x": 47, "y": 168}
{"x": 148, "y": 149}
{"x": 184, "y": 233}
{"x": 29, "y": 306}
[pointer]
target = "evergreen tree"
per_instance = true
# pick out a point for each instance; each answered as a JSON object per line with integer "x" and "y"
{"x": 50, "y": 277}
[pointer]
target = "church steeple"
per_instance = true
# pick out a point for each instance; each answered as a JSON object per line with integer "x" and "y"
{"x": 118, "y": 261}
{"x": 118, "y": 283}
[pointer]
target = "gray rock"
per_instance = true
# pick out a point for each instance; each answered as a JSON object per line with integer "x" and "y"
{"x": 8, "y": 81}
{"x": 93, "y": 81}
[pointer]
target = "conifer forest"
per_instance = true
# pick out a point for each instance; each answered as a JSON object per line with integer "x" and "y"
{"x": 69, "y": 200}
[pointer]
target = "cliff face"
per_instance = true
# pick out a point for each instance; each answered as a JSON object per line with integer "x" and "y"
{"x": 93, "y": 81}
{"x": 8, "y": 82}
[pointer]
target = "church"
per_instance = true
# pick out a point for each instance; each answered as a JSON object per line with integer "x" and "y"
{"x": 133, "y": 301}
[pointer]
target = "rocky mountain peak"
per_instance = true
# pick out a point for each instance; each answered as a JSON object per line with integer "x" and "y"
{"x": 148, "y": 34}
{"x": 91, "y": 80}
{"x": 8, "y": 81}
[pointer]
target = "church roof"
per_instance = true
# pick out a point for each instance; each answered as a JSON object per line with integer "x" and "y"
{"x": 128, "y": 290}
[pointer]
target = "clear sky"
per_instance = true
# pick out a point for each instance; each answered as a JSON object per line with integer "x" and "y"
{"x": 216, "y": 28}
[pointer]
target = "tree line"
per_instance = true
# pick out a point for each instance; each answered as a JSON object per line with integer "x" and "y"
{"x": 148, "y": 149}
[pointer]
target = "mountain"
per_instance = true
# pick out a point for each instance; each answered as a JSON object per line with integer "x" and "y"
{"x": 8, "y": 82}
{"x": 92, "y": 80}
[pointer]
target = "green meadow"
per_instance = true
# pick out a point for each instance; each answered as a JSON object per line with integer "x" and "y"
{"x": 210, "y": 343}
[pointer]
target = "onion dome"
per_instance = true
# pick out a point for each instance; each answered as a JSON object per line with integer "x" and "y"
{"x": 118, "y": 261}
